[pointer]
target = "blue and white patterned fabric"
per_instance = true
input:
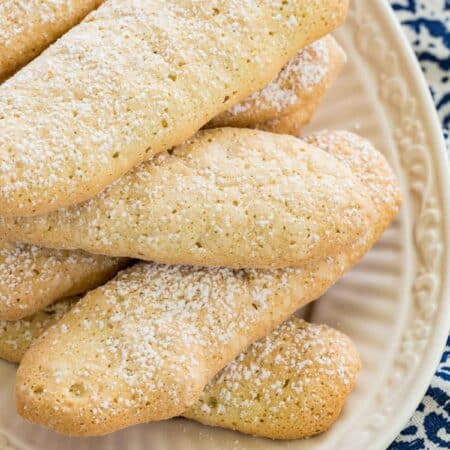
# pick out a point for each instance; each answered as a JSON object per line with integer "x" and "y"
{"x": 427, "y": 25}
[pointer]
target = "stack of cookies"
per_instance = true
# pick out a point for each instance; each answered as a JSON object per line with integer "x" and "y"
{"x": 161, "y": 221}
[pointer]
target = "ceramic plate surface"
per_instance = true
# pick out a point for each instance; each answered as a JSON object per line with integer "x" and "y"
{"x": 395, "y": 304}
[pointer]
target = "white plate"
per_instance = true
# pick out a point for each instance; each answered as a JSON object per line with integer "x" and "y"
{"x": 394, "y": 304}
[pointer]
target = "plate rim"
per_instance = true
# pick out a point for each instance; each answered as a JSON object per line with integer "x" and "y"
{"x": 435, "y": 134}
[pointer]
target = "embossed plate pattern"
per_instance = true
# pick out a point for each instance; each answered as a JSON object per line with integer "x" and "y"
{"x": 394, "y": 304}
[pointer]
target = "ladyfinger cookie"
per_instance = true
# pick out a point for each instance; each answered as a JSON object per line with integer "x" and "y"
{"x": 290, "y": 385}
{"x": 135, "y": 78}
{"x": 96, "y": 372}
{"x": 297, "y": 89}
{"x": 28, "y": 27}
{"x": 16, "y": 336}
{"x": 230, "y": 197}
{"x": 369, "y": 165}
{"x": 33, "y": 277}
{"x": 144, "y": 346}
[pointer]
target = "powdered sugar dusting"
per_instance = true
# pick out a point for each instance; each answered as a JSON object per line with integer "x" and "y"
{"x": 367, "y": 163}
{"x": 18, "y": 16}
{"x": 32, "y": 276}
{"x": 282, "y": 374}
{"x": 304, "y": 71}
{"x": 16, "y": 336}
{"x": 27, "y": 27}
{"x": 161, "y": 314}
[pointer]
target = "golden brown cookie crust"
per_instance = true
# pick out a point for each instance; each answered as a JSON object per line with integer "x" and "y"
{"x": 34, "y": 277}
{"x": 296, "y": 91}
{"x": 16, "y": 336}
{"x": 290, "y": 385}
